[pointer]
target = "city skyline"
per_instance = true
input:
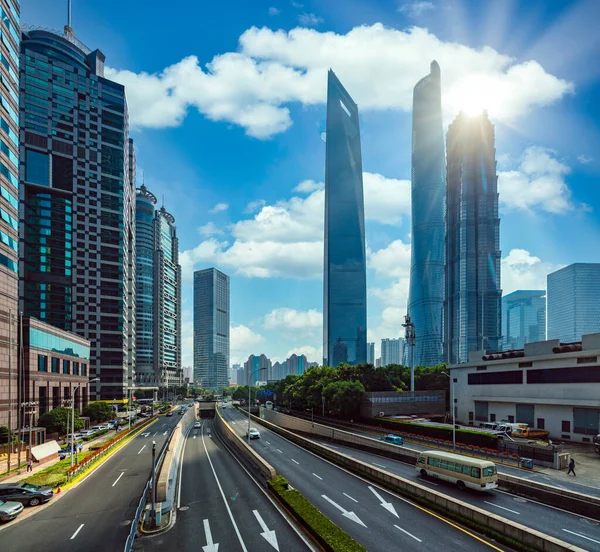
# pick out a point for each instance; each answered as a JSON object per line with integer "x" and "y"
{"x": 277, "y": 290}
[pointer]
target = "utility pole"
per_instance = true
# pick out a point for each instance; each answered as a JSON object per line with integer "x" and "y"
{"x": 9, "y": 387}
{"x": 410, "y": 337}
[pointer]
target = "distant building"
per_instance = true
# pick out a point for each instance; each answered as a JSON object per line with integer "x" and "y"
{"x": 257, "y": 369}
{"x": 233, "y": 373}
{"x": 188, "y": 374}
{"x": 523, "y": 318}
{"x": 574, "y": 301}
{"x": 296, "y": 365}
{"x": 392, "y": 351}
{"x": 378, "y": 362}
{"x": 371, "y": 353}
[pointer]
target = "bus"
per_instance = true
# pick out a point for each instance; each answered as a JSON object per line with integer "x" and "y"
{"x": 480, "y": 475}
{"x": 269, "y": 405}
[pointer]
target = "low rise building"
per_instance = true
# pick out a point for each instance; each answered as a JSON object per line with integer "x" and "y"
{"x": 548, "y": 385}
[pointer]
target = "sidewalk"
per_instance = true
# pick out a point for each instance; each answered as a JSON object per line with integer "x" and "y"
{"x": 587, "y": 463}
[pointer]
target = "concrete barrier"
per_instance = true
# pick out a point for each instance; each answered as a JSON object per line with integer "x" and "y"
{"x": 497, "y": 526}
{"x": 253, "y": 461}
{"x": 571, "y": 501}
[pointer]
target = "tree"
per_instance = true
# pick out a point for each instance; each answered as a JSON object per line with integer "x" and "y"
{"x": 3, "y": 435}
{"x": 58, "y": 420}
{"x": 98, "y": 411}
{"x": 343, "y": 397}
{"x": 241, "y": 393}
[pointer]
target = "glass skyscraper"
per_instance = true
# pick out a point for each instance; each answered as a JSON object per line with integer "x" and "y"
{"x": 574, "y": 302}
{"x": 158, "y": 293}
{"x": 77, "y": 199}
{"x": 523, "y": 318}
{"x": 426, "y": 293}
{"x": 472, "y": 305}
{"x": 9, "y": 208}
{"x": 344, "y": 280}
{"x": 211, "y": 328}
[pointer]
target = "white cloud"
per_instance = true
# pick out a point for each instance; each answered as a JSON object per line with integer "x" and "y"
{"x": 297, "y": 5}
{"x": 309, "y": 186}
{"x": 254, "y": 206}
{"x": 387, "y": 200}
{"x": 187, "y": 338}
{"x": 220, "y": 207}
{"x": 538, "y": 183}
{"x": 390, "y": 326}
{"x": 309, "y": 19}
{"x": 415, "y": 9}
{"x": 392, "y": 261}
{"x": 274, "y": 11}
{"x": 243, "y": 343}
{"x": 585, "y": 159}
{"x": 522, "y": 270}
{"x": 209, "y": 229}
{"x": 253, "y": 86}
{"x": 292, "y": 319}
{"x": 313, "y": 354}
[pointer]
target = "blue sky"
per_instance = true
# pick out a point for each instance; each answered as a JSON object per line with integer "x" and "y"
{"x": 227, "y": 108}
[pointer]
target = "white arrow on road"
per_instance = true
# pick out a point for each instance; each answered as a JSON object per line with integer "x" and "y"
{"x": 194, "y": 436}
{"x": 269, "y": 536}
{"x": 345, "y": 513}
{"x": 145, "y": 434}
{"x": 387, "y": 505}
{"x": 210, "y": 545}
{"x": 165, "y": 432}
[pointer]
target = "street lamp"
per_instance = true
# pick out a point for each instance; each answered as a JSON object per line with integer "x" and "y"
{"x": 73, "y": 417}
{"x": 452, "y": 380}
{"x": 249, "y": 389}
{"x": 30, "y": 406}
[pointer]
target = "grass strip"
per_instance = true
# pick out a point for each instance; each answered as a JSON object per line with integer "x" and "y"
{"x": 55, "y": 475}
{"x": 328, "y": 534}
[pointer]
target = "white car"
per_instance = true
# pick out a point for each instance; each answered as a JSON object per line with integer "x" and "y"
{"x": 197, "y": 425}
{"x": 254, "y": 433}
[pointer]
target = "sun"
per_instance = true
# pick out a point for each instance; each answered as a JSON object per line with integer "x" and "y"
{"x": 473, "y": 95}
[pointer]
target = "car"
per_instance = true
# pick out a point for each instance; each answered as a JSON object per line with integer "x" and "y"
{"x": 197, "y": 425}
{"x": 224, "y": 406}
{"x": 254, "y": 433}
{"x": 170, "y": 413}
{"x": 392, "y": 439}
{"x": 99, "y": 427}
{"x": 10, "y": 510}
{"x": 25, "y": 493}
{"x": 63, "y": 453}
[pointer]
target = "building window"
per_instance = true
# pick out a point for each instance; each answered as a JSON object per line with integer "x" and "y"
{"x": 55, "y": 364}
{"x": 492, "y": 417}
{"x": 541, "y": 423}
{"x": 585, "y": 421}
{"x": 481, "y": 411}
{"x": 37, "y": 167}
{"x": 566, "y": 426}
{"x": 511, "y": 419}
{"x": 75, "y": 368}
{"x": 580, "y": 374}
{"x": 66, "y": 367}
{"x": 585, "y": 360}
{"x": 42, "y": 363}
{"x": 84, "y": 369}
{"x": 525, "y": 364}
{"x": 496, "y": 378}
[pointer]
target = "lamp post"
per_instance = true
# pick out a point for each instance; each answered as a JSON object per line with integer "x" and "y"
{"x": 30, "y": 406}
{"x": 73, "y": 418}
{"x": 250, "y": 374}
{"x": 453, "y": 409}
{"x": 410, "y": 337}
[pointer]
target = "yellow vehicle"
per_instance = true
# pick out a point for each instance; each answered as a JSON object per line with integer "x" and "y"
{"x": 526, "y": 432}
{"x": 480, "y": 475}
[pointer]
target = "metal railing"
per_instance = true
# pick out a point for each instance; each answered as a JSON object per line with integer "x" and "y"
{"x": 63, "y": 34}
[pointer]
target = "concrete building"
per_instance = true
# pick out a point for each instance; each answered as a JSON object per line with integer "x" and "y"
{"x": 9, "y": 209}
{"x": 77, "y": 231}
{"x": 523, "y": 318}
{"x": 256, "y": 368}
{"x": 574, "y": 301}
{"x": 211, "y": 328}
{"x": 392, "y": 351}
{"x": 548, "y": 385}
{"x": 371, "y": 353}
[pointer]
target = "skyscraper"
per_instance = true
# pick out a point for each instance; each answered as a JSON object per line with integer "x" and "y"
{"x": 344, "y": 281}
{"x": 392, "y": 351}
{"x": 77, "y": 230}
{"x": 574, "y": 302}
{"x": 371, "y": 353}
{"x": 9, "y": 209}
{"x": 158, "y": 291}
{"x": 523, "y": 318}
{"x": 256, "y": 369}
{"x": 426, "y": 293}
{"x": 472, "y": 307}
{"x": 211, "y": 328}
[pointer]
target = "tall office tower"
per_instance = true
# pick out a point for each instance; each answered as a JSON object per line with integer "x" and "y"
{"x": 371, "y": 353}
{"x": 77, "y": 231}
{"x": 426, "y": 292}
{"x": 211, "y": 328}
{"x": 158, "y": 294}
{"x": 523, "y": 318}
{"x": 297, "y": 365}
{"x": 256, "y": 368}
{"x": 392, "y": 351}
{"x": 472, "y": 304}
{"x": 574, "y": 302}
{"x": 9, "y": 208}
{"x": 344, "y": 281}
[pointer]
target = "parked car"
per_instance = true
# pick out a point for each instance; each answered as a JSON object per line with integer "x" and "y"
{"x": 25, "y": 493}
{"x": 86, "y": 433}
{"x": 392, "y": 439}
{"x": 254, "y": 433}
{"x": 10, "y": 510}
{"x": 63, "y": 453}
{"x": 99, "y": 427}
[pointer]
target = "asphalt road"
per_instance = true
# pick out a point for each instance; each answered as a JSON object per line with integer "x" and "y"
{"x": 377, "y": 519}
{"x": 96, "y": 514}
{"x": 220, "y": 504}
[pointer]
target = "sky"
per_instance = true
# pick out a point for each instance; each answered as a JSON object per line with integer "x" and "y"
{"x": 227, "y": 111}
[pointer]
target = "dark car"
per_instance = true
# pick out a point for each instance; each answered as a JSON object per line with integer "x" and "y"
{"x": 25, "y": 493}
{"x": 170, "y": 413}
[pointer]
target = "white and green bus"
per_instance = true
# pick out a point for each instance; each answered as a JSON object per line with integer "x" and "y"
{"x": 480, "y": 475}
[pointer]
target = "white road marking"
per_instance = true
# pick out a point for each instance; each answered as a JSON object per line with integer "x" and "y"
{"x": 502, "y": 507}
{"x": 165, "y": 432}
{"x": 155, "y": 434}
{"x": 269, "y": 536}
{"x": 142, "y": 449}
{"x": 387, "y": 505}
{"x": 267, "y": 442}
{"x": 567, "y": 531}
{"x": 279, "y": 450}
{"x": 406, "y": 532}
{"x": 351, "y": 497}
{"x": 345, "y": 513}
{"x": 376, "y": 464}
{"x": 318, "y": 476}
{"x": 117, "y": 480}
{"x": 76, "y": 532}
{"x": 295, "y": 462}
{"x": 210, "y": 545}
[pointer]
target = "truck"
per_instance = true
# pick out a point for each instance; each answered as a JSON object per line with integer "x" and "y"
{"x": 526, "y": 432}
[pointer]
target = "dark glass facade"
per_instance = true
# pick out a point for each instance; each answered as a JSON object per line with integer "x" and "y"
{"x": 211, "y": 328}
{"x": 426, "y": 294}
{"x": 472, "y": 306}
{"x": 344, "y": 280}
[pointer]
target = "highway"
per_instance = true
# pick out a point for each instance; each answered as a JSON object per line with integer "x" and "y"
{"x": 220, "y": 507}
{"x": 96, "y": 513}
{"x": 376, "y": 518}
